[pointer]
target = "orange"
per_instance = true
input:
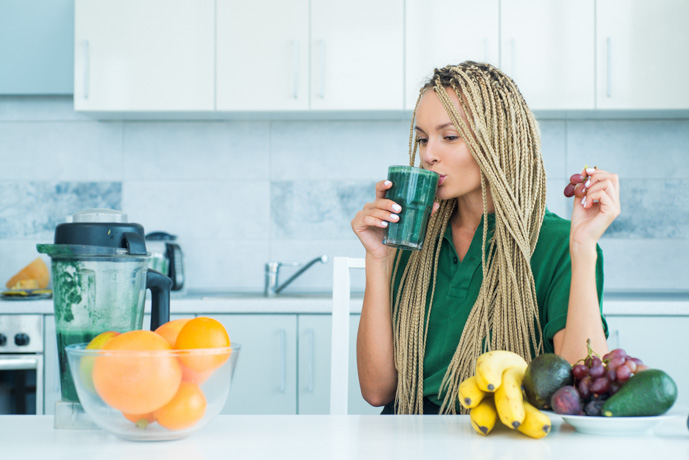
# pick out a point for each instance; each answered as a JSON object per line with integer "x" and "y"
{"x": 86, "y": 362}
{"x": 141, "y": 420}
{"x": 136, "y": 383}
{"x": 189, "y": 375}
{"x": 171, "y": 329}
{"x": 185, "y": 409}
{"x": 202, "y": 333}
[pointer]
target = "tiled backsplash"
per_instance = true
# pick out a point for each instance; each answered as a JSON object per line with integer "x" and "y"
{"x": 241, "y": 193}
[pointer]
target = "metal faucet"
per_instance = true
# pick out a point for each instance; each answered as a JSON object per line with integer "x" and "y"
{"x": 272, "y": 269}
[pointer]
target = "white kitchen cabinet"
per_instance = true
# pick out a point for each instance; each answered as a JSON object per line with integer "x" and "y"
{"x": 659, "y": 341}
{"x": 262, "y": 58}
{"x": 265, "y": 380}
{"x": 357, "y": 55}
{"x": 51, "y": 367}
{"x": 314, "y": 367}
{"x": 443, "y": 32}
{"x": 641, "y": 50}
{"x": 548, "y": 50}
{"x": 144, "y": 55}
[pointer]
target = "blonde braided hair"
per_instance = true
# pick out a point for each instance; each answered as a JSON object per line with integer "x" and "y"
{"x": 503, "y": 137}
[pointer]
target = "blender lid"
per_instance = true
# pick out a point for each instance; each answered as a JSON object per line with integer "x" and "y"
{"x": 102, "y": 230}
{"x": 99, "y": 215}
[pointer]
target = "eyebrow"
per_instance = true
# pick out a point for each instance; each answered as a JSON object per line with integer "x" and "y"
{"x": 438, "y": 128}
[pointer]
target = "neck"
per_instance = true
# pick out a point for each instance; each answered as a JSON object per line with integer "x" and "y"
{"x": 469, "y": 211}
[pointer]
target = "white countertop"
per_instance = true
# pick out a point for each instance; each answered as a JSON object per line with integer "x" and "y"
{"x": 614, "y": 304}
{"x": 376, "y": 437}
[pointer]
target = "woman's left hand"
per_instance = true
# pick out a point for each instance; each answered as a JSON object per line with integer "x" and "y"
{"x": 594, "y": 212}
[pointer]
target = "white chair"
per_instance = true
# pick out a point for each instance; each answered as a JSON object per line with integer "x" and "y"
{"x": 339, "y": 357}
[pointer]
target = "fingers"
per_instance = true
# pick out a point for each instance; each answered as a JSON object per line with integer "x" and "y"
{"x": 382, "y": 187}
{"x": 606, "y": 193}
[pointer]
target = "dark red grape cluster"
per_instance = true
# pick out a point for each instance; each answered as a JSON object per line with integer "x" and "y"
{"x": 597, "y": 379}
{"x": 577, "y": 185}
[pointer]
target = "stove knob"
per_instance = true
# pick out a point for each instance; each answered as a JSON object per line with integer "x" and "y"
{"x": 3, "y": 340}
{"x": 21, "y": 339}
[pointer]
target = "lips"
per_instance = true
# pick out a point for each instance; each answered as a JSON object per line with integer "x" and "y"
{"x": 441, "y": 179}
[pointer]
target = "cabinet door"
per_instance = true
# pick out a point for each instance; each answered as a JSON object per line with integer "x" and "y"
{"x": 314, "y": 367}
{"x": 443, "y": 32}
{"x": 262, "y": 59}
{"x": 641, "y": 49}
{"x": 37, "y": 46}
{"x": 356, "y": 55}
{"x": 659, "y": 341}
{"x": 51, "y": 366}
{"x": 548, "y": 49}
{"x": 264, "y": 380}
{"x": 141, "y": 55}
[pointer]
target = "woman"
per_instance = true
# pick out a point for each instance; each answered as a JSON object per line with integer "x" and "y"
{"x": 528, "y": 281}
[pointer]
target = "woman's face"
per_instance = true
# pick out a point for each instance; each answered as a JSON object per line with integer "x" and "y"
{"x": 442, "y": 149}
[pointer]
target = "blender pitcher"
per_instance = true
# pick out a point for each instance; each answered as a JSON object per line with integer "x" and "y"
{"x": 100, "y": 276}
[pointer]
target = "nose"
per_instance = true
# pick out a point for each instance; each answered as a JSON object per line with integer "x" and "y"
{"x": 428, "y": 154}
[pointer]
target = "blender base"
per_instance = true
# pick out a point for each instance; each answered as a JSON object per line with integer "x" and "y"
{"x": 71, "y": 416}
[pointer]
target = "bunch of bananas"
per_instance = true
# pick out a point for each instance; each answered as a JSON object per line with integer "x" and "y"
{"x": 496, "y": 391}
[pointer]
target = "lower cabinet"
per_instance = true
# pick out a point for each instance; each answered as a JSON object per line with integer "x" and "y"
{"x": 265, "y": 379}
{"x": 659, "y": 341}
{"x": 313, "y": 378}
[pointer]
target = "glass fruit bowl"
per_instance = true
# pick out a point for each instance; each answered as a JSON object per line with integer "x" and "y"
{"x": 152, "y": 395}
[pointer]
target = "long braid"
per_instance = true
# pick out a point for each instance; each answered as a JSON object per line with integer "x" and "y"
{"x": 502, "y": 136}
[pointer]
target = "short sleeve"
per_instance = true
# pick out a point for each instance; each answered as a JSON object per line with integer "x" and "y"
{"x": 554, "y": 312}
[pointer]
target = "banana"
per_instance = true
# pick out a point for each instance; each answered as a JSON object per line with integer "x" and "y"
{"x": 470, "y": 395}
{"x": 536, "y": 424}
{"x": 483, "y": 416}
{"x": 509, "y": 399}
{"x": 491, "y": 365}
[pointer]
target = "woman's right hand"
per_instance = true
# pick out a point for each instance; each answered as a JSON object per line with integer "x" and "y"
{"x": 370, "y": 223}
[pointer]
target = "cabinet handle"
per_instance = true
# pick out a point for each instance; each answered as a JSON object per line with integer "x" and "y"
{"x": 321, "y": 91}
{"x": 283, "y": 360}
{"x": 311, "y": 359}
{"x": 617, "y": 338}
{"x": 295, "y": 63}
{"x": 607, "y": 66}
{"x": 87, "y": 65}
{"x": 10, "y": 364}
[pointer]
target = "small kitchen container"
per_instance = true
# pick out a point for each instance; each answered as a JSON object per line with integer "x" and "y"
{"x": 214, "y": 383}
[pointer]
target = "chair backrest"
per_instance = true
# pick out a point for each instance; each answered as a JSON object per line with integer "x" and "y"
{"x": 339, "y": 357}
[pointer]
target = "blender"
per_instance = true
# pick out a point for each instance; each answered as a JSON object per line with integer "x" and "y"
{"x": 100, "y": 276}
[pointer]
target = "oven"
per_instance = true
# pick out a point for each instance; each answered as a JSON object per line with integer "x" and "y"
{"x": 21, "y": 364}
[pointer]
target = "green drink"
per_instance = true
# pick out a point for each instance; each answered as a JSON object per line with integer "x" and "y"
{"x": 67, "y": 390}
{"x": 413, "y": 189}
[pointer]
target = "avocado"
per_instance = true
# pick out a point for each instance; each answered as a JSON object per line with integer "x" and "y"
{"x": 650, "y": 392}
{"x": 546, "y": 374}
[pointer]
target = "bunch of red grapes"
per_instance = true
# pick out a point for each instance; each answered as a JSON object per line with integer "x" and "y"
{"x": 577, "y": 185}
{"x": 597, "y": 379}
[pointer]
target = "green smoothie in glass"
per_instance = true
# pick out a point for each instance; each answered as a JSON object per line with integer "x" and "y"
{"x": 414, "y": 190}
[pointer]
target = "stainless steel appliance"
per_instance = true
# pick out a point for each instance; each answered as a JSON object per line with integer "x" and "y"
{"x": 166, "y": 257}
{"x": 21, "y": 364}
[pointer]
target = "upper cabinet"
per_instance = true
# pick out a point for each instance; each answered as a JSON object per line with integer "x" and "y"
{"x": 144, "y": 55}
{"x": 548, "y": 50}
{"x": 444, "y": 32}
{"x": 36, "y": 40}
{"x": 262, "y": 58}
{"x": 357, "y": 54}
{"x": 641, "y": 50}
{"x": 213, "y": 56}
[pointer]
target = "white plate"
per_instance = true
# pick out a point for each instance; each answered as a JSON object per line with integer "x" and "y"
{"x": 616, "y": 426}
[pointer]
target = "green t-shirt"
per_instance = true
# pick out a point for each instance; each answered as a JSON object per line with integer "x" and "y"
{"x": 458, "y": 284}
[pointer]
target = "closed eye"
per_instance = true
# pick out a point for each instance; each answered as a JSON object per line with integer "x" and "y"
{"x": 451, "y": 138}
{"x": 421, "y": 141}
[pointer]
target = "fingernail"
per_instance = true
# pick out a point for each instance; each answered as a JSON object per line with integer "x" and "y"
{"x": 394, "y": 216}
{"x": 384, "y": 224}
{"x": 583, "y": 201}
{"x": 396, "y": 207}
{"x": 590, "y": 170}
{"x": 387, "y": 182}
{"x": 588, "y": 182}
